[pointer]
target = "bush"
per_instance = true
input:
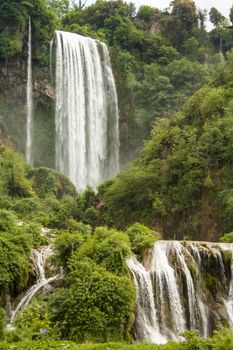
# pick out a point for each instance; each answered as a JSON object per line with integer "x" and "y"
{"x": 227, "y": 238}
{"x": 108, "y": 248}
{"x": 98, "y": 306}
{"x": 141, "y": 238}
{"x": 7, "y": 221}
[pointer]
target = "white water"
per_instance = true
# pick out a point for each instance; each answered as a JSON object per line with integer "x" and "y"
{"x": 87, "y": 135}
{"x": 167, "y": 290}
{"x": 147, "y": 325}
{"x": 29, "y": 156}
{"x": 201, "y": 300}
{"x": 39, "y": 259}
{"x": 172, "y": 290}
{"x": 229, "y": 299}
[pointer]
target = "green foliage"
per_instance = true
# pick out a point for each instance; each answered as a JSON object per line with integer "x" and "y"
{"x": 33, "y": 323}
{"x": 7, "y": 221}
{"x": 10, "y": 44}
{"x": 108, "y": 248}
{"x": 14, "y": 16}
{"x": 48, "y": 182}
{"x": 14, "y": 264}
{"x": 221, "y": 340}
{"x": 183, "y": 171}
{"x": 2, "y": 322}
{"x": 215, "y": 17}
{"x": 66, "y": 244}
{"x": 60, "y": 7}
{"x": 107, "y": 312}
{"x": 227, "y": 238}
{"x": 13, "y": 174}
{"x": 141, "y": 238}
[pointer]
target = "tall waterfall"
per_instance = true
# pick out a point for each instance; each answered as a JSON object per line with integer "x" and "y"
{"x": 182, "y": 285}
{"x": 29, "y": 157}
{"x": 87, "y": 136}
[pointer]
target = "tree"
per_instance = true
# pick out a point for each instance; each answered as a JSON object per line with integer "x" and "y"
{"x": 202, "y": 16}
{"x": 80, "y": 5}
{"x": 231, "y": 14}
{"x": 216, "y": 17}
{"x": 182, "y": 21}
{"x": 61, "y": 7}
{"x": 186, "y": 12}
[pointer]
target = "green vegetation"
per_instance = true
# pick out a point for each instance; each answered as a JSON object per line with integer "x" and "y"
{"x": 182, "y": 178}
{"x": 93, "y": 259}
{"x": 227, "y": 238}
{"x": 222, "y": 340}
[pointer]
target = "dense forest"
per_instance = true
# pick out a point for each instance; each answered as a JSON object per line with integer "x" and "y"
{"x": 174, "y": 82}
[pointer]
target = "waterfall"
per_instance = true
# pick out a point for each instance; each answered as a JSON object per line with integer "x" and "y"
{"x": 182, "y": 285}
{"x": 29, "y": 156}
{"x": 147, "y": 325}
{"x": 39, "y": 259}
{"x": 87, "y": 135}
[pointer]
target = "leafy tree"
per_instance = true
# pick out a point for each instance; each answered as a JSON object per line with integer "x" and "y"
{"x": 215, "y": 17}
{"x": 146, "y": 17}
{"x": 231, "y": 15}
{"x": 61, "y": 7}
{"x": 185, "y": 10}
{"x": 202, "y": 17}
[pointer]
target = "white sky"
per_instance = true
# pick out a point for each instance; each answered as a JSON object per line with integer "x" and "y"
{"x": 222, "y": 5}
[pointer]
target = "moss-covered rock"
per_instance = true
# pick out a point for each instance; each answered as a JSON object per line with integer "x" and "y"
{"x": 47, "y": 182}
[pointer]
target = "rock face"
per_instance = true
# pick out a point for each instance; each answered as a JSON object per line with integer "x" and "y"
{"x": 183, "y": 285}
{"x": 13, "y": 75}
{"x": 13, "y": 82}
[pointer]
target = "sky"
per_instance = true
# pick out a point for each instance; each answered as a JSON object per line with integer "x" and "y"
{"x": 222, "y": 5}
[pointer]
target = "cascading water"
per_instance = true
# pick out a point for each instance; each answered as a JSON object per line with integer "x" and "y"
{"x": 182, "y": 285}
{"x": 147, "y": 325}
{"x": 39, "y": 259}
{"x": 87, "y": 135}
{"x": 29, "y": 156}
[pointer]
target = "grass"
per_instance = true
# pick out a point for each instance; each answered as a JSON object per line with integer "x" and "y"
{"x": 47, "y": 345}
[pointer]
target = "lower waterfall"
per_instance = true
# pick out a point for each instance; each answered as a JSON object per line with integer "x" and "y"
{"x": 181, "y": 286}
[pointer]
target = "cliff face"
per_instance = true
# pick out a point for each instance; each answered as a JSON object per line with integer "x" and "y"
{"x": 13, "y": 81}
{"x": 12, "y": 102}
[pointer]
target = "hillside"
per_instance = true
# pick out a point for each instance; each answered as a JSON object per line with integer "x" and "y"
{"x": 181, "y": 184}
